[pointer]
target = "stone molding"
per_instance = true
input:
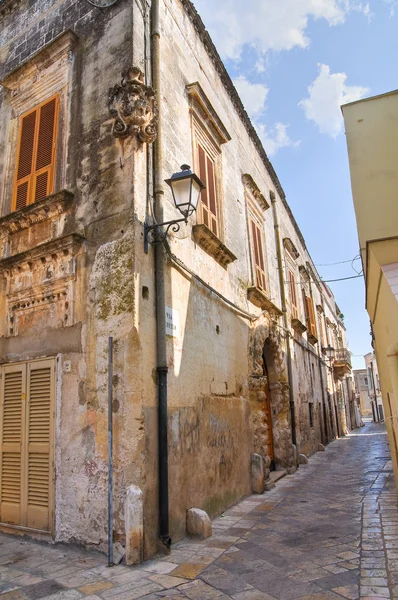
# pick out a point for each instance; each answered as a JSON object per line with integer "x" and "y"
{"x": 298, "y": 326}
{"x": 40, "y": 284}
{"x": 133, "y": 106}
{"x": 37, "y": 223}
{"x": 210, "y": 243}
{"x": 39, "y": 211}
{"x": 251, "y": 185}
{"x": 291, "y": 248}
{"x": 261, "y": 300}
{"x": 58, "y": 244}
{"x": 201, "y": 106}
{"x": 42, "y": 74}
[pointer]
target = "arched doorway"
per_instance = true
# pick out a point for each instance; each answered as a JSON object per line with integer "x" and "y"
{"x": 268, "y": 417}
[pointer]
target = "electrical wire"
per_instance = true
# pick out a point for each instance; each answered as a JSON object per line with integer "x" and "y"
{"x": 341, "y": 278}
{"x": 341, "y": 262}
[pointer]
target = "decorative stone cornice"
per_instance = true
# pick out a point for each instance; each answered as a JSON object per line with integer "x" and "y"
{"x": 251, "y": 185}
{"x": 212, "y": 245}
{"x": 298, "y": 326}
{"x": 134, "y": 108}
{"x": 68, "y": 242}
{"x": 33, "y": 74}
{"x": 261, "y": 300}
{"x": 201, "y": 105}
{"x": 290, "y": 247}
{"x": 304, "y": 273}
{"x": 39, "y": 211}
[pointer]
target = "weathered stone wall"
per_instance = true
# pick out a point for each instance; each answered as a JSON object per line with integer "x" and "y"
{"x": 104, "y": 177}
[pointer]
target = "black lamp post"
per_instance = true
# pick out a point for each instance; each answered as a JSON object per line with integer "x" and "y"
{"x": 330, "y": 352}
{"x": 185, "y": 187}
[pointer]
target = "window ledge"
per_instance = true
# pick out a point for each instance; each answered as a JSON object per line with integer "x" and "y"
{"x": 261, "y": 300}
{"x": 36, "y": 212}
{"x": 311, "y": 338}
{"x": 298, "y": 326}
{"x": 212, "y": 245}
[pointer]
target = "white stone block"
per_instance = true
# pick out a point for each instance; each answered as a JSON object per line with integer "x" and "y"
{"x": 134, "y": 518}
{"x": 198, "y": 523}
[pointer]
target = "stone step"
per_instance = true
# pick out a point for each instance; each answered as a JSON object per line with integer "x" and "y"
{"x": 276, "y": 475}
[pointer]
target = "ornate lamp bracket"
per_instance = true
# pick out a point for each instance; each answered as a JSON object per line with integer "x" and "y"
{"x": 154, "y": 234}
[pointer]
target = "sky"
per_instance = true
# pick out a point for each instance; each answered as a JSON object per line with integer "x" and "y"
{"x": 294, "y": 63}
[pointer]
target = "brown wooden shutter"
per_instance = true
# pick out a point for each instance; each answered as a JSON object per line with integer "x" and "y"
{"x": 258, "y": 254}
{"x": 26, "y": 146}
{"x": 36, "y": 154}
{"x": 293, "y": 295}
{"x": 12, "y": 402}
{"x": 39, "y": 444}
{"x": 208, "y": 197}
{"x": 311, "y": 326}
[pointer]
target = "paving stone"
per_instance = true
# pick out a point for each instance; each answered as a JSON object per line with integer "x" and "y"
{"x": 43, "y": 589}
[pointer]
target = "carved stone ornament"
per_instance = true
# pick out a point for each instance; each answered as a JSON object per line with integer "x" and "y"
{"x": 134, "y": 107}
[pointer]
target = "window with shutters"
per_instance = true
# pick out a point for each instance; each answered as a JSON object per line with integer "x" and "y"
{"x": 258, "y": 256}
{"x": 310, "y": 319}
{"x": 26, "y": 444}
{"x": 292, "y": 293}
{"x": 35, "y": 164}
{"x": 208, "y": 209}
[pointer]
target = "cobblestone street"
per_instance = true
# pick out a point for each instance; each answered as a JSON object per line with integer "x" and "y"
{"x": 328, "y": 531}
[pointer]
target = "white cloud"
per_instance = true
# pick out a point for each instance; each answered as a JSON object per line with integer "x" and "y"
{"x": 268, "y": 24}
{"x": 325, "y": 96}
{"x": 275, "y": 138}
{"x": 254, "y": 96}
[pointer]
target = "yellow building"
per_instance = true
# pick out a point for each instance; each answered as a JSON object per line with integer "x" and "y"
{"x": 372, "y": 140}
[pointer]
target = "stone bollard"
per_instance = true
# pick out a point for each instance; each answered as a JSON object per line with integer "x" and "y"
{"x": 321, "y": 448}
{"x": 302, "y": 459}
{"x": 198, "y": 523}
{"x": 257, "y": 473}
{"x": 268, "y": 483}
{"x": 134, "y": 517}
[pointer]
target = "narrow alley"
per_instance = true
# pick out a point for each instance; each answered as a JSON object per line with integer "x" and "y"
{"x": 328, "y": 531}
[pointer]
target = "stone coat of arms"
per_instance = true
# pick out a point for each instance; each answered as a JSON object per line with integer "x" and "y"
{"x": 134, "y": 108}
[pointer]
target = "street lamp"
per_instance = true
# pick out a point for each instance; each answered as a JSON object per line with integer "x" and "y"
{"x": 330, "y": 352}
{"x": 185, "y": 187}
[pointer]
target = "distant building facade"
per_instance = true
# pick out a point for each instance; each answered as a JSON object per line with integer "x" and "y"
{"x": 91, "y": 123}
{"x": 362, "y": 391}
{"x": 374, "y": 390}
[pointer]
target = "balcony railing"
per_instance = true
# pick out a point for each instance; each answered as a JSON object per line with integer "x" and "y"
{"x": 342, "y": 357}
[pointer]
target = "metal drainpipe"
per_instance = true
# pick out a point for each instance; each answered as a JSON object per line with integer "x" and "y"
{"x": 285, "y": 319}
{"x": 160, "y": 292}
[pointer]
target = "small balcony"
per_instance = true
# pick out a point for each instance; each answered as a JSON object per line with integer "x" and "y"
{"x": 342, "y": 362}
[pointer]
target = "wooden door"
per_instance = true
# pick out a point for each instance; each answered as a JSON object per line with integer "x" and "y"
{"x": 268, "y": 418}
{"x": 26, "y": 444}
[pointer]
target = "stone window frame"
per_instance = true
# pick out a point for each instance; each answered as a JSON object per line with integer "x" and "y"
{"x": 47, "y": 73}
{"x": 291, "y": 255}
{"x": 208, "y": 130}
{"x": 256, "y": 205}
{"x": 306, "y": 289}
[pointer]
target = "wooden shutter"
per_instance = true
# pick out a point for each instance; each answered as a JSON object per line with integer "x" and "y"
{"x": 39, "y": 434}
{"x": 258, "y": 255}
{"x": 26, "y": 444}
{"x": 293, "y": 295}
{"x": 34, "y": 177}
{"x": 311, "y": 326}
{"x": 208, "y": 197}
{"x": 12, "y": 403}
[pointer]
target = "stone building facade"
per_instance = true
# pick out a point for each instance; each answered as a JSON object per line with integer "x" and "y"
{"x": 249, "y": 383}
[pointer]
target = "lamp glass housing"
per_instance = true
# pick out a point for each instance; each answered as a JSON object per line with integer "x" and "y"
{"x": 330, "y": 352}
{"x": 186, "y": 188}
